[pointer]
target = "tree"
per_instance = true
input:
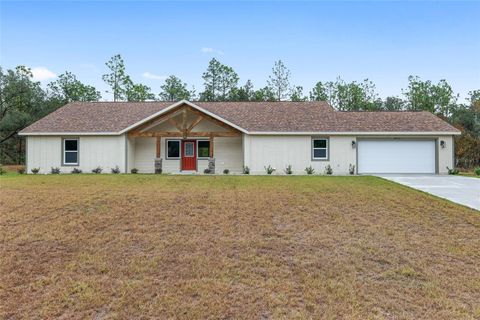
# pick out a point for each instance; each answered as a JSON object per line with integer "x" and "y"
{"x": 116, "y": 79}
{"x": 435, "y": 98}
{"x": 297, "y": 94}
{"x": 279, "y": 81}
{"x": 67, "y": 89}
{"x": 245, "y": 93}
{"x": 393, "y": 104}
{"x": 135, "y": 92}
{"x": 174, "y": 89}
{"x": 264, "y": 94}
{"x": 320, "y": 92}
{"x": 22, "y": 101}
{"x": 353, "y": 96}
{"x": 219, "y": 80}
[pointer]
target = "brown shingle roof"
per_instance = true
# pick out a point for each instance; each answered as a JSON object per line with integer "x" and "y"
{"x": 113, "y": 117}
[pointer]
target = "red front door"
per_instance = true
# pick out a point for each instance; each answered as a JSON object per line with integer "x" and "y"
{"x": 189, "y": 155}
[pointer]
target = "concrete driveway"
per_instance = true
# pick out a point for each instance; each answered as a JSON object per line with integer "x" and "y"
{"x": 462, "y": 190}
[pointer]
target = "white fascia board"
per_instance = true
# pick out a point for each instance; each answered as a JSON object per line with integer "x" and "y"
{"x": 70, "y": 134}
{"x": 176, "y": 104}
{"x": 355, "y": 133}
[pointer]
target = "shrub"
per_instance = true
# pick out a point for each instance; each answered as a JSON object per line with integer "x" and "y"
{"x": 134, "y": 170}
{"x": 288, "y": 169}
{"x": 21, "y": 170}
{"x": 35, "y": 170}
{"x": 452, "y": 171}
{"x": 2, "y": 171}
{"x": 226, "y": 171}
{"x": 54, "y": 170}
{"x": 206, "y": 171}
{"x": 477, "y": 171}
{"x": 76, "y": 171}
{"x": 246, "y": 170}
{"x": 269, "y": 169}
{"x": 116, "y": 170}
{"x": 97, "y": 170}
{"x": 351, "y": 169}
{"x": 309, "y": 170}
{"x": 328, "y": 170}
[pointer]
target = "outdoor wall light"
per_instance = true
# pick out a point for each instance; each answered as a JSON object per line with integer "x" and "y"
{"x": 354, "y": 144}
{"x": 442, "y": 144}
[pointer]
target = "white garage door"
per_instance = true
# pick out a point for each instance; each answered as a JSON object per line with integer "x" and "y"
{"x": 396, "y": 156}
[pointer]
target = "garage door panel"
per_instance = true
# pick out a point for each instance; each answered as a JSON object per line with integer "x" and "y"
{"x": 396, "y": 156}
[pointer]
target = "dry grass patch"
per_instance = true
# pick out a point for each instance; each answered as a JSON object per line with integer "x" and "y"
{"x": 143, "y": 246}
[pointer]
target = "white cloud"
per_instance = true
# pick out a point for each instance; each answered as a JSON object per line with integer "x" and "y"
{"x": 42, "y": 73}
{"x": 152, "y": 76}
{"x": 210, "y": 50}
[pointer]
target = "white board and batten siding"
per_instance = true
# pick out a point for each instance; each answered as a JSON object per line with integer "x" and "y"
{"x": 281, "y": 151}
{"x": 45, "y": 152}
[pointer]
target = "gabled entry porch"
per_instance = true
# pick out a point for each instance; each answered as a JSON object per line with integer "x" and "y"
{"x": 185, "y": 139}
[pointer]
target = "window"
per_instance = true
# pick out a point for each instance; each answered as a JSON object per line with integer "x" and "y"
{"x": 70, "y": 151}
{"x": 173, "y": 149}
{"x": 203, "y": 148}
{"x": 189, "y": 149}
{"x": 320, "y": 149}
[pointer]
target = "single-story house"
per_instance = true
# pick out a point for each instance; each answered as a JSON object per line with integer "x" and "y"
{"x": 184, "y": 136}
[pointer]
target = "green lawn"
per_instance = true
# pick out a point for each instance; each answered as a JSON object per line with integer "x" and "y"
{"x": 236, "y": 247}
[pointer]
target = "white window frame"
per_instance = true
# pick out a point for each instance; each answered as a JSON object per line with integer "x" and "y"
{"x": 64, "y": 152}
{"x": 327, "y": 149}
{"x": 167, "y": 141}
{"x": 209, "y": 146}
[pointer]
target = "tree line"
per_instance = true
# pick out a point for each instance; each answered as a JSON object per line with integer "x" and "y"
{"x": 23, "y": 101}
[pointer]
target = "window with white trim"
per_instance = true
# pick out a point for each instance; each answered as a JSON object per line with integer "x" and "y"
{"x": 203, "y": 148}
{"x": 173, "y": 149}
{"x": 320, "y": 148}
{"x": 70, "y": 152}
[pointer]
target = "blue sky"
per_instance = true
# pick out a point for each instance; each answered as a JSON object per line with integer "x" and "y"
{"x": 318, "y": 41}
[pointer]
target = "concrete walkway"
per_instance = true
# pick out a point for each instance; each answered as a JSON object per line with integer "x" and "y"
{"x": 462, "y": 190}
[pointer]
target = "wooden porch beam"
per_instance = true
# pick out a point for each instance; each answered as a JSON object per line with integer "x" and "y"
{"x": 158, "y": 147}
{"x": 180, "y": 134}
{"x": 194, "y": 123}
{"x": 217, "y": 122}
{"x": 157, "y": 121}
{"x": 175, "y": 124}
{"x": 211, "y": 146}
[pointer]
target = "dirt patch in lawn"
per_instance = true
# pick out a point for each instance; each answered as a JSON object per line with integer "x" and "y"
{"x": 145, "y": 246}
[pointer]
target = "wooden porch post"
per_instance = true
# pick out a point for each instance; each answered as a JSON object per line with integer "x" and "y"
{"x": 158, "y": 147}
{"x": 211, "y": 146}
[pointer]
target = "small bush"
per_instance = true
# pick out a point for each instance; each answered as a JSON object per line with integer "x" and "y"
{"x": 134, "y": 170}
{"x": 226, "y": 171}
{"x": 477, "y": 171}
{"x": 21, "y": 170}
{"x": 116, "y": 170}
{"x": 76, "y": 171}
{"x": 288, "y": 169}
{"x": 246, "y": 170}
{"x": 309, "y": 170}
{"x": 206, "y": 171}
{"x": 328, "y": 170}
{"x": 453, "y": 171}
{"x": 269, "y": 169}
{"x": 97, "y": 170}
{"x": 351, "y": 169}
{"x": 35, "y": 170}
{"x": 55, "y": 170}
{"x": 2, "y": 171}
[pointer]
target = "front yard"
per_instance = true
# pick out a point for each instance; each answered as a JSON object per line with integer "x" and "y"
{"x": 196, "y": 247}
